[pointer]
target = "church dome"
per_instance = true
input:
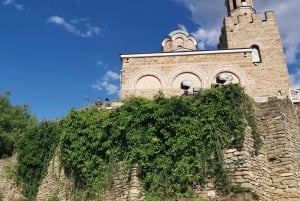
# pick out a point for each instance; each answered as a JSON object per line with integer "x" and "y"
{"x": 178, "y": 31}
{"x": 179, "y": 40}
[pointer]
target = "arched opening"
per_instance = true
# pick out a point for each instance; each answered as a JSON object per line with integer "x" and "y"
{"x": 148, "y": 82}
{"x": 188, "y": 82}
{"x": 234, "y": 4}
{"x": 256, "y": 57}
{"x": 225, "y": 77}
{"x": 244, "y": 3}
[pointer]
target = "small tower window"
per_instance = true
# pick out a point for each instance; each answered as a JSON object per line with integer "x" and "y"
{"x": 234, "y": 4}
{"x": 244, "y": 3}
{"x": 256, "y": 58}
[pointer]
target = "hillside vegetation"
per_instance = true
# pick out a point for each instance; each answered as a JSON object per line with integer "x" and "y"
{"x": 177, "y": 143}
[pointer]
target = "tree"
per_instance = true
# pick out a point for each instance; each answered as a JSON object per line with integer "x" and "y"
{"x": 14, "y": 122}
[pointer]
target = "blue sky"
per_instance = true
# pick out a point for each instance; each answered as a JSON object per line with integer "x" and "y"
{"x": 59, "y": 54}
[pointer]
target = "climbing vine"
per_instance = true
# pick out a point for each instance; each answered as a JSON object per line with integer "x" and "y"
{"x": 176, "y": 142}
{"x": 85, "y": 146}
{"x": 35, "y": 150}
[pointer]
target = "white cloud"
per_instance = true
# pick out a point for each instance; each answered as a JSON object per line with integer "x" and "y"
{"x": 99, "y": 63}
{"x": 8, "y": 2}
{"x": 182, "y": 27}
{"x": 110, "y": 88}
{"x": 295, "y": 78}
{"x": 209, "y": 14}
{"x": 206, "y": 38}
{"x": 19, "y": 6}
{"x": 287, "y": 16}
{"x": 56, "y": 20}
{"x": 14, "y": 4}
{"x": 89, "y": 32}
{"x": 106, "y": 83}
{"x": 111, "y": 76}
{"x": 78, "y": 20}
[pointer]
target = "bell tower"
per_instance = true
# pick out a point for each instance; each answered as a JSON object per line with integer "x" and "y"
{"x": 239, "y": 7}
{"x": 245, "y": 28}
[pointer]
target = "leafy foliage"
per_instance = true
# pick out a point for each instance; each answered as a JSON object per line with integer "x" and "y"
{"x": 54, "y": 197}
{"x": 1, "y": 196}
{"x": 85, "y": 145}
{"x": 14, "y": 122}
{"x": 35, "y": 150}
{"x": 176, "y": 142}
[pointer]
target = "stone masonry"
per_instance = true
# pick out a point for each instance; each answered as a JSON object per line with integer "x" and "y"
{"x": 123, "y": 186}
{"x": 166, "y": 72}
{"x": 8, "y": 189}
{"x": 249, "y": 52}
{"x": 273, "y": 173}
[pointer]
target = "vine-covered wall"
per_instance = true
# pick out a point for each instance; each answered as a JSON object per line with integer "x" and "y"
{"x": 165, "y": 149}
{"x": 273, "y": 173}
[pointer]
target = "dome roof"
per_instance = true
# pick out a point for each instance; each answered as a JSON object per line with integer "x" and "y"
{"x": 178, "y": 31}
{"x": 179, "y": 40}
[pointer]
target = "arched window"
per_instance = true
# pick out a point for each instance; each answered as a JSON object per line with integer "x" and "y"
{"x": 256, "y": 58}
{"x": 234, "y": 4}
{"x": 244, "y": 3}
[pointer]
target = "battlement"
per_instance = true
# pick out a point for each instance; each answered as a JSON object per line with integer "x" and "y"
{"x": 268, "y": 18}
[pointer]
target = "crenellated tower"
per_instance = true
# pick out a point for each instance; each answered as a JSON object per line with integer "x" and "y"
{"x": 238, "y": 7}
{"x": 245, "y": 28}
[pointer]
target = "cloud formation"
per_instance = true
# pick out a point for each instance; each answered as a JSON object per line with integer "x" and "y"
{"x": 107, "y": 83}
{"x": 206, "y": 38}
{"x": 287, "y": 16}
{"x": 209, "y": 14}
{"x": 71, "y": 26}
{"x": 99, "y": 63}
{"x": 14, "y": 4}
{"x": 295, "y": 78}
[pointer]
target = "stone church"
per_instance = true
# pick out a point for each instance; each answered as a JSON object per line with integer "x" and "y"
{"x": 249, "y": 52}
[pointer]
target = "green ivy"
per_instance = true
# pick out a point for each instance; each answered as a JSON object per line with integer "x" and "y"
{"x": 1, "y": 196}
{"x": 85, "y": 146}
{"x": 54, "y": 197}
{"x": 35, "y": 150}
{"x": 176, "y": 142}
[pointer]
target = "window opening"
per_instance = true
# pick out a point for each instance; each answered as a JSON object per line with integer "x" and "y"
{"x": 234, "y": 4}
{"x": 256, "y": 58}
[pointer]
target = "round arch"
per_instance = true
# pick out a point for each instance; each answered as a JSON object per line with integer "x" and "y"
{"x": 186, "y": 70}
{"x": 147, "y": 74}
{"x": 240, "y": 75}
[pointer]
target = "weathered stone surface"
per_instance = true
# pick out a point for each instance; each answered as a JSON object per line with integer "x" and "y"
{"x": 8, "y": 188}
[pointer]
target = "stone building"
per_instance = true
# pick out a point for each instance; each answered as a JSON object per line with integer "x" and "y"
{"x": 249, "y": 52}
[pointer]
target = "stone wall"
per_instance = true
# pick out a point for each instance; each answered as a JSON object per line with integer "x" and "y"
{"x": 8, "y": 189}
{"x": 273, "y": 173}
{"x": 55, "y": 184}
{"x": 123, "y": 186}
{"x": 145, "y": 75}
